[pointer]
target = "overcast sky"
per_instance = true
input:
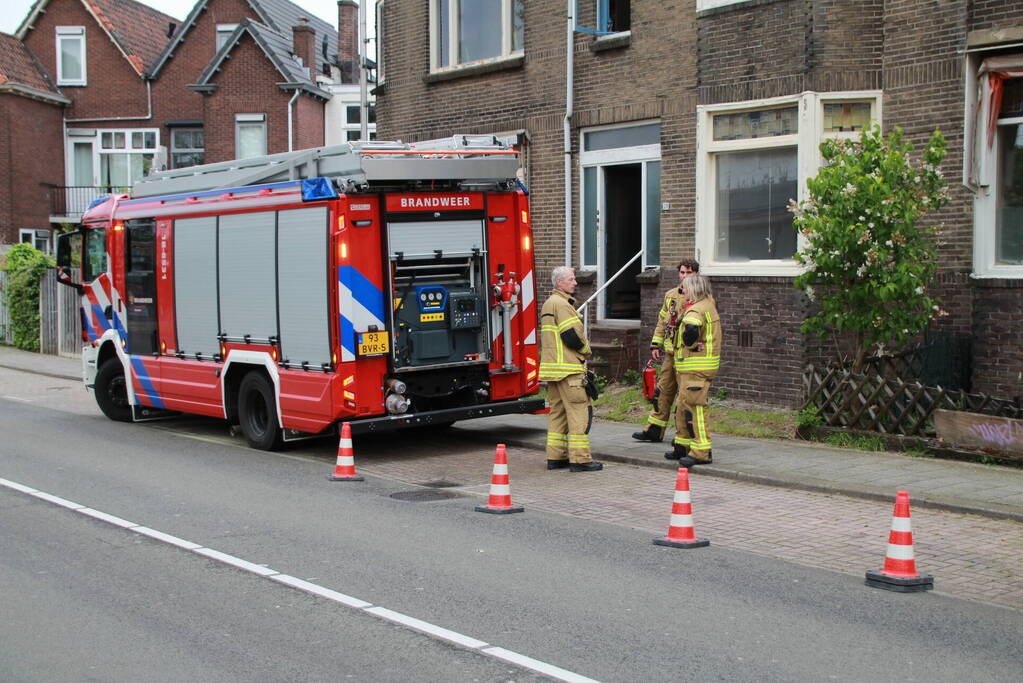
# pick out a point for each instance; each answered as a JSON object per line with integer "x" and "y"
{"x": 13, "y": 12}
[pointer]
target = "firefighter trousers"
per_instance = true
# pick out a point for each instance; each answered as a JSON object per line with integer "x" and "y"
{"x": 692, "y": 417}
{"x": 667, "y": 387}
{"x": 568, "y": 425}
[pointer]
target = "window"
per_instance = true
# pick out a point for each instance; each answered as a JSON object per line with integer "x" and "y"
{"x": 187, "y": 147}
{"x": 95, "y": 254}
{"x": 352, "y": 123}
{"x": 613, "y": 16}
{"x": 468, "y": 31}
{"x": 249, "y": 135}
{"x": 224, "y": 32}
{"x": 753, "y": 158}
{"x": 71, "y": 55}
{"x": 994, "y": 163}
{"x": 125, "y": 156}
{"x": 711, "y": 4}
{"x": 39, "y": 239}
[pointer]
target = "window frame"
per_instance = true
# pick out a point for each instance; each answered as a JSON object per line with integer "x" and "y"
{"x": 985, "y": 186}
{"x": 598, "y": 159}
{"x": 507, "y": 30}
{"x": 71, "y": 34}
{"x": 221, "y": 35}
{"x": 806, "y": 141}
{"x": 103, "y": 154}
{"x": 34, "y": 239}
{"x": 248, "y": 120}
{"x": 174, "y": 149}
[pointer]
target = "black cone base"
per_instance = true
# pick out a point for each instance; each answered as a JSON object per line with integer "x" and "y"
{"x": 915, "y": 584}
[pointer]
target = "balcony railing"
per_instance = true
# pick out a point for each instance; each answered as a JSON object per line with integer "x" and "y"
{"x": 72, "y": 201}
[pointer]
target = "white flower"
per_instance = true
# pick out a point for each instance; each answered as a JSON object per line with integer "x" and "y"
{"x": 919, "y": 290}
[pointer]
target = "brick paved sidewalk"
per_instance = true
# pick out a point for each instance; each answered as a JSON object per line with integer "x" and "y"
{"x": 970, "y": 556}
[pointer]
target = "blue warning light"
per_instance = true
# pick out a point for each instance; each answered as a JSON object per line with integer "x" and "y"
{"x": 318, "y": 188}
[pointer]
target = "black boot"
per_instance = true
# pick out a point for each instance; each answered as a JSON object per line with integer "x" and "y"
{"x": 652, "y": 433}
{"x": 679, "y": 451}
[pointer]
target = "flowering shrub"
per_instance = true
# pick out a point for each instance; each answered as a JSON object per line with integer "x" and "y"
{"x": 865, "y": 254}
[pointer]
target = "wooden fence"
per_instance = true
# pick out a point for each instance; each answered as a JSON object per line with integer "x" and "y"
{"x": 60, "y": 324}
{"x": 873, "y": 402}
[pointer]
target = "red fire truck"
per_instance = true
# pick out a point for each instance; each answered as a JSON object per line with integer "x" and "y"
{"x": 383, "y": 284}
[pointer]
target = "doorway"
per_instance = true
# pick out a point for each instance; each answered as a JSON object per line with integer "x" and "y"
{"x": 623, "y": 237}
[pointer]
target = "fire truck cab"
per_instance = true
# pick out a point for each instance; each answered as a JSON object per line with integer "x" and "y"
{"x": 382, "y": 284}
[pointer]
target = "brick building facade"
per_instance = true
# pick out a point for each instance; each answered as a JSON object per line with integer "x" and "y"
{"x": 96, "y": 93}
{"x": 692, "y": 125}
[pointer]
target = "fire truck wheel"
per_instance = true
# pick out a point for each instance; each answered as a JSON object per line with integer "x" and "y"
{"x": 257, "y": 412}
{"x": 112, "y": 391}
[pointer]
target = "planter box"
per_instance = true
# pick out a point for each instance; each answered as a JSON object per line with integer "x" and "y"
{"x": 988, "y": 433}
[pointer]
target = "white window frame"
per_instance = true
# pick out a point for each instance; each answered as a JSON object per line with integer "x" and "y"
{"x": 453, "y": 28}
{"x": 378, "y": 41}
{"x": 74, "y": 34}
{"x": 985, "y": 193}
{"x": 250, "y": 119}
{"x": 34, "y": 239}
{"x": 223, "y": 32}
{"x": 128, "y": 149}
{"x": 806, "y": 140}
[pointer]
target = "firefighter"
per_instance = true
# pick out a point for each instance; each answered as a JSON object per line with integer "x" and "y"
{"x": 699, "y": 339}
{"x": 662, "y": 345}
{"x": 563, "y": 352}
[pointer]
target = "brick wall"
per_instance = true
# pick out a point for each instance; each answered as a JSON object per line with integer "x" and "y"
{"x": 27, "y": 160}
{"x": 247, "y": 84}
{"x": 114, "y": 87}
{"x": 172, "y": 100}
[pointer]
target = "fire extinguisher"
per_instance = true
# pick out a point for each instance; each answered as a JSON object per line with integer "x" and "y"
{"x": 650, "y": 382}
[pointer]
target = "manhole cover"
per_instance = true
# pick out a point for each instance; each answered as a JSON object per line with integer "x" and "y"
{"x": 439, "y": 484}
{"x": 423, "y": 495}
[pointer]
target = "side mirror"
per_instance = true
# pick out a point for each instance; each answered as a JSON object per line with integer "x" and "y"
{"x": 69, "y": 251}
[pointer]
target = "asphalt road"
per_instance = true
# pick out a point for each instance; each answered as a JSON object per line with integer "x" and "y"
{"x": 87, "y": 600}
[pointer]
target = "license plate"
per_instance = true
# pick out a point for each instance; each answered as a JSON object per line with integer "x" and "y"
{"x": 373, "y": 343}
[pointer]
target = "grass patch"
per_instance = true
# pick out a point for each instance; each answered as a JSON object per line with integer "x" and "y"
{"x": 857, "y": 441}
{"x": 624, "y": 402}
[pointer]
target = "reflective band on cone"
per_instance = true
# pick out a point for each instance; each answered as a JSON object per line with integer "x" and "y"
{"x": 681, "y": 532}
{"x": 500, "y": 501}
{"x": 344, "y": 470}
{"x": 899, "y": 571}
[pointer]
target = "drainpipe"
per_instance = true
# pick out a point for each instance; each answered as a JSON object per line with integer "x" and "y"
{"x": 569, "y": 104}
{"x": 363, "y": 75}
{"x": 291, "y": 102}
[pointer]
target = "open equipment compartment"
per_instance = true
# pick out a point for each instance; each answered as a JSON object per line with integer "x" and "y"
{"x": 440, "y": 318}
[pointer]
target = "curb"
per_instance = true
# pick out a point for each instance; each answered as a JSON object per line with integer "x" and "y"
{"x": 57, "y": 375}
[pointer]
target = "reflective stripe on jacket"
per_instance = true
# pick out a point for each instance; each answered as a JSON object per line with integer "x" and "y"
{"x": 557, "y": 361}
{"x": 705, "y": 354}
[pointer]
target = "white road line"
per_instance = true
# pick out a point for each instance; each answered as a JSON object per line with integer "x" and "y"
{"x": 258, "y": 569}
{"x": 17, "y": 398}
{"x": 320, "y": 591}
{"x": 536, "y": 665}
{"x": 425, "y": 627}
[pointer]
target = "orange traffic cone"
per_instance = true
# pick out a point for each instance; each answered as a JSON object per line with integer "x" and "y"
{"x": 500, "y": 502}
{"x": 899, "y": 572}
{"x": 680, "y": 529}
{"x": 344, "y": 470}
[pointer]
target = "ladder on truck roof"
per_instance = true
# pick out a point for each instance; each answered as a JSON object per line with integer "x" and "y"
{"x": 468, "y": 159}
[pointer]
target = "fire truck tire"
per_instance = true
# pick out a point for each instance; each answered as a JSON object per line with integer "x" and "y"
{"x": 257, "y": 412}
{"x": 111, "y": 391}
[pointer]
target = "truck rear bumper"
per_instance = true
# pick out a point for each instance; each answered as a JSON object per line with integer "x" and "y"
{"x": 440, "y": 417}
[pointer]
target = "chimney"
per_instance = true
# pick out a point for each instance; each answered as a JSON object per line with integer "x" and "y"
{"x": 348, "y": 40}
{"x": 303, "y": 42}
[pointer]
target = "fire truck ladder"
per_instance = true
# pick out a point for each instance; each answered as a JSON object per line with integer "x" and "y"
{"x": 468, "y": 160}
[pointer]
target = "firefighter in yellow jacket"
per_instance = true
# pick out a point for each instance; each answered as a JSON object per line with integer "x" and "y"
{"x": 698, "y": 343}
{"x": 662, "y": 349}
{"x": 563, "y": 352}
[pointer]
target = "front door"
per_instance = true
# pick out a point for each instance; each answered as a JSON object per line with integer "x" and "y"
{"x": 621, "y": 205}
